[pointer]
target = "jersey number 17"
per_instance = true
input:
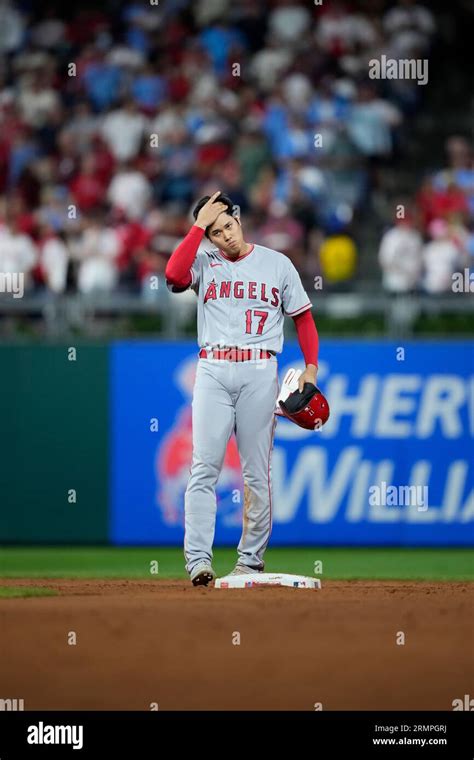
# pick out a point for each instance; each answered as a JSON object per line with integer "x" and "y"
{"x": 248, "y": 320}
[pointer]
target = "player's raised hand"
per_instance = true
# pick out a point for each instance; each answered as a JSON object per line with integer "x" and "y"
{"x": 210, "y": 211}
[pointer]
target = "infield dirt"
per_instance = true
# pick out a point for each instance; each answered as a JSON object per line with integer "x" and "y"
{"x": 165, "y": 642}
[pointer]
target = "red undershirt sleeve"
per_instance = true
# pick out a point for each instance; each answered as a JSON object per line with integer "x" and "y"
{"x": 178, "y": 268}
{"x": 307, "y": 336}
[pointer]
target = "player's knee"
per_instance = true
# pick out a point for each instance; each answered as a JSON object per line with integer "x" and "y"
{"x": 204, "y": 469}
{"x": 256, "y": 481}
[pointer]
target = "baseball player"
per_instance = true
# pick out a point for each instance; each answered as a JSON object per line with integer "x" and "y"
{"x": 244, "y": 290}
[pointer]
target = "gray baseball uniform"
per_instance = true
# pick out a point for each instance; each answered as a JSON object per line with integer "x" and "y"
{"x": 240, "y": 303}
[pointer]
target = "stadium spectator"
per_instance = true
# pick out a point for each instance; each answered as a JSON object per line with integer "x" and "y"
{"x": 400, "y": 256}
{"x": 13, "y": 27}
{"x": 269, "y": 63}
{"x": 124, "y": 129}
{"x": 18, "y": 253}
{"x": 442, "y": 201}
{"x": 288, "y": 22}
{"x": 53, "y": 259}
{"x": 53, "y": 211}
{"x": 148, "y": 89}
{"x": 342, "y": 33}
{"x": 49, "y": 32}
{"x": 410, "y": 27}
{"x": 371, "y": 122}
{"x": 83, "y": 125}
{"x": 96, "y": 251}
{"x": 130, "y": 191}
{"x": 37, "y": 100}
{"x": 87, "y": 189}
{"x": 441, "y": 257}
{"x": 102, "y": 81}
{"x": 460, "y": 170}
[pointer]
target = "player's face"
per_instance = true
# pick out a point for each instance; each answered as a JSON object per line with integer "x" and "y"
{"x": 226, "y": 234}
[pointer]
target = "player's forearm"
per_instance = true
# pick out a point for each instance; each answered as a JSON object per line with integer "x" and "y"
{"x": 179, "y": 265}
{"x": 308, "y": 339}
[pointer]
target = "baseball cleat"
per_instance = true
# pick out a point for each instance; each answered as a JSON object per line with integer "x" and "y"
{"x": 244, "y": 570}
{"x": 203, "y": 574}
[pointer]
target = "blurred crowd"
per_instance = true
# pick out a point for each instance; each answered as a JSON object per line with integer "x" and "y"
{"x": 114, "y": 120}
{"x": 433, "y": 236}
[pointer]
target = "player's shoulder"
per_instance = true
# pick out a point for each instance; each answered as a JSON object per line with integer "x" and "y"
{"x": 270, "y": 254}
{"x": 268, "y": 251}
{"x": 208, "y": 254}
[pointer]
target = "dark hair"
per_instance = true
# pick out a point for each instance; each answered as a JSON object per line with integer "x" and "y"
{"x": 220, "y": 199}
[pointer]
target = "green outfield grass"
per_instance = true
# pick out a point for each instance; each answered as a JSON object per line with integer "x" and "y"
{"x": 337, "y": 563}
{"x": 10, "y": 592}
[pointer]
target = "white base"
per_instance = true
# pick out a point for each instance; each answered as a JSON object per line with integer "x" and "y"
{"x": 250, "y": 580}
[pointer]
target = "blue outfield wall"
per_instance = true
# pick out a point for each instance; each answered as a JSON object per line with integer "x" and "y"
{"x": 399, "y": 416}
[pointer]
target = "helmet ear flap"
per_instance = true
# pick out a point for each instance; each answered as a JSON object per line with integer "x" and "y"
{"x": 309, "y": 408}
{"x": 298, "y": 399}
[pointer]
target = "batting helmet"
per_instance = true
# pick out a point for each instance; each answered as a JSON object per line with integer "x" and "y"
{"x": 308, "y": 408}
